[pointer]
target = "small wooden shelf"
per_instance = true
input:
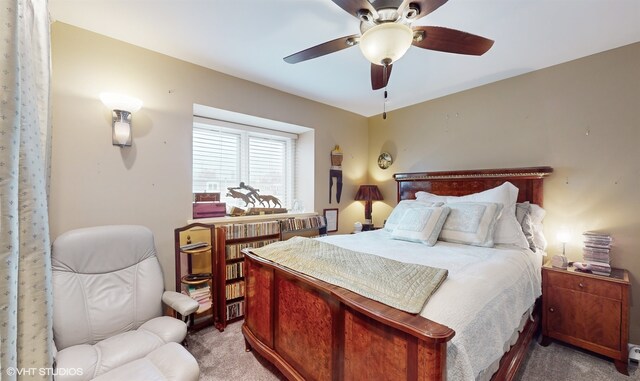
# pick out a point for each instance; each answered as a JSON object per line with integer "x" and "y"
{"x": 197, "y": 251}
{"x": 195, "y": 282}
{"x": 199, "y": 260}
{"x": 237, "y": 241}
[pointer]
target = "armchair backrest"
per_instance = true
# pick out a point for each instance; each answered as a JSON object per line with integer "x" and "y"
{"x": 106, "y": 280}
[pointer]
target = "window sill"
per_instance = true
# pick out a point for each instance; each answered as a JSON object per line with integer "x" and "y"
{"x": 263, "y": 217}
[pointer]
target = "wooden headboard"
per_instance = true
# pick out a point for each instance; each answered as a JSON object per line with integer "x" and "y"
{"x": 460, "y": 183}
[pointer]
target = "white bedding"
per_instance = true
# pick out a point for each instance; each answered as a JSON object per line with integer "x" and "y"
{"x": 483, "y": 298}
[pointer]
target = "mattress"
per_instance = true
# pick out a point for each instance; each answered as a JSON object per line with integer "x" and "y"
{"x": 484, "y": 298}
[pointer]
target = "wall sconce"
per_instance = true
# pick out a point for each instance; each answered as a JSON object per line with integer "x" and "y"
{"x": 122, "y": 106}
{"x": 368, "y": 194}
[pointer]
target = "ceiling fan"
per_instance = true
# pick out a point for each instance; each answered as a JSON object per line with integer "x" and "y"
{"x": 386, "y": 34}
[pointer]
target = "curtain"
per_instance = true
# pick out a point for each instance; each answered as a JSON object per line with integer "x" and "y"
{"x": 25, "y": 263}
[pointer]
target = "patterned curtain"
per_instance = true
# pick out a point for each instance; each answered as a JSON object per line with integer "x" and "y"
{"x": 25, "y": 263}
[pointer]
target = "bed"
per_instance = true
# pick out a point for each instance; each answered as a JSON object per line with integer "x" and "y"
{"x": 314, "y": 330}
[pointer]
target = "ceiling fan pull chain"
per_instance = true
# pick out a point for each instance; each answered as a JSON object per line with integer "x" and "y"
{"x": 384, "y": 105}
{"x": 384, "y": 80}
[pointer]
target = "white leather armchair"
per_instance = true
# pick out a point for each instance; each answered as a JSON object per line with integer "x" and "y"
{"x": 107, "y": 311}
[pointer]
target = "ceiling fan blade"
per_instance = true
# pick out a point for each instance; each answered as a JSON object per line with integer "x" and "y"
{"x": 424, "y": 6}
{"x": 451, "y": 41}
{"x": 353, "y": 6}
{"x": 323, "y": 49}
{"x": 378, "y": 77}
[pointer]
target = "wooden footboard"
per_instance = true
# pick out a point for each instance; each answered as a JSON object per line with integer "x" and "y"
{"x": 316, "y": 331}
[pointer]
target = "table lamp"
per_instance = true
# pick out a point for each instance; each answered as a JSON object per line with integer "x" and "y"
{"x": 368, "y": 194}
{"x": 560, "y": 261}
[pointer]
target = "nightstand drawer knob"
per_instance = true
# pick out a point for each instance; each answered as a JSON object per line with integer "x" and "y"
{"x": 581, "y": 285}
{"x": 551, "y": 309}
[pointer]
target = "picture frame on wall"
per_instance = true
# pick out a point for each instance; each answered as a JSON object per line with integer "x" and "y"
{"x": 331, "y": 218}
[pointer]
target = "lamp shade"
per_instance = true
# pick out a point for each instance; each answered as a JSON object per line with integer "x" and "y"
{"x": 121, "y": 133}
{"x": 563, "y": 236}
{"x": 386, "y": 42}
{"x": 120, "y": 102}
{"x": 368, "y": 193}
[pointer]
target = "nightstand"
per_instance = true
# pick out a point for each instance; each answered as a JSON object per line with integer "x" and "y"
{"x": 588, "y": 311}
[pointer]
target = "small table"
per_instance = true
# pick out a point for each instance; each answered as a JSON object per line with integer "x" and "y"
{"x": 588, "y": 311}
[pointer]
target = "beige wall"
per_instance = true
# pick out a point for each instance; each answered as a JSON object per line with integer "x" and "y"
{"x": 582, "y": 118}
{"x": 95, "y": 183}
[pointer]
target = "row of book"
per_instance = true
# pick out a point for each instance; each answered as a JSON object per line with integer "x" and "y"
{"x": 235, "y": 309}
{"x": 597, "y": 247}
{"x": 254, "y": 229}
{"x": 235, "y": 270}
{"x": 303, "y": 223}
{"x": 202, "y": 294}
{"x": 235, "y": 251}
{"x": 234, "y": 290}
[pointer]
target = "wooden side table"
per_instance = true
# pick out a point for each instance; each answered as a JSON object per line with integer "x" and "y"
{"x": 588, "y": 311}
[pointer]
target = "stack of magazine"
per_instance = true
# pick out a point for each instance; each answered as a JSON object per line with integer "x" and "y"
{"x": 202, "y": 295}
{"x": 596, "y": 252}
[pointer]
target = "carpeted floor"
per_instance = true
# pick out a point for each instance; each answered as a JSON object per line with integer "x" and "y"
{"x": 221, "y": 356}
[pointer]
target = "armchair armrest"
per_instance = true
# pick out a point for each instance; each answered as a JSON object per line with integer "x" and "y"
{"x": 181, "y": 303}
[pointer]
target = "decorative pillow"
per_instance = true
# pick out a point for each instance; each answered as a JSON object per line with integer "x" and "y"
{"x": 522, "y": 209}
{"x": 508, "y": 230}
{"x": 523, "y": 215}
{"x": 397, "y": 212}
{"x": 537, "y": 215}
{"x": 471, "y": 223}
{"x": 421, "y": 224}
{"x": 430, "y": 197}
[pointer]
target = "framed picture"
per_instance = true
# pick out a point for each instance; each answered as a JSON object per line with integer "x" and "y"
{"x": 331, "y": 216}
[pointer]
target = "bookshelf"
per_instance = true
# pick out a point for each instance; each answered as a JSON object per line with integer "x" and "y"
{"x": 195, "y": 265}
{"x": 231, "y": 239}
{"x": 211, "y": 270}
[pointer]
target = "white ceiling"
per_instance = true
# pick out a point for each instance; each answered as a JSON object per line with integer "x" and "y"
{"x": 249, "y": 38}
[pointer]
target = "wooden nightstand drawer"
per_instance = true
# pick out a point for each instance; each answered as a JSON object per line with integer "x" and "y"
{"x": 583, "y": 284}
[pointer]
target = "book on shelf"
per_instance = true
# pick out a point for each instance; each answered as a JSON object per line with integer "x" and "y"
{"x": 234, "y": 251}
{"x": 201, "y": 294}
{"x": 303, "y": 223}
{"x": 235, "y": 270}
{"x": 235, "y": 309}
{"x": 234, "y": 290}
{"x": 252, "y": 229}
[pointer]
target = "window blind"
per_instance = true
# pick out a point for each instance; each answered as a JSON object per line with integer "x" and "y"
{"x": 223, "y": 157}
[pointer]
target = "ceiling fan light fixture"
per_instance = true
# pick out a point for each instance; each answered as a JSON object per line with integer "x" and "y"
{"x": 386, "y": 42}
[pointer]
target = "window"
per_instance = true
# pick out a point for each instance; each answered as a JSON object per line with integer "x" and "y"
{"x": 227, "y": 154}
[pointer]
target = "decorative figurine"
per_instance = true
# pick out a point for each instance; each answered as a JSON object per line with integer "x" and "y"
{"x": 252, "y": 196}
{"x": 336, "y": 172}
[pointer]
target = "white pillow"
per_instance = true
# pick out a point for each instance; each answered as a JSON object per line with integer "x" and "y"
{"x": 508, "y": 230}
{"x": 396, "y": 214}
{"x": 522, "y": 209}
{"x": 471, "y": 223}
{"x": 421, "y": 224}
{"x": 537, "y": 214}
